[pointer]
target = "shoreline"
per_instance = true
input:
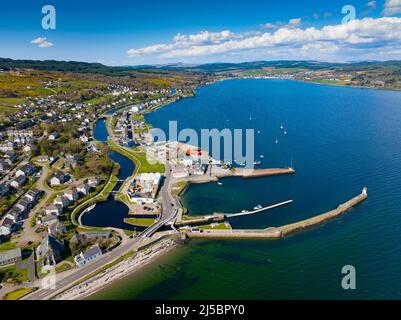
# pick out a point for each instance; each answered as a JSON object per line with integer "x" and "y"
{"x": 129, "y": 266}
{"x": 117, "y": 272}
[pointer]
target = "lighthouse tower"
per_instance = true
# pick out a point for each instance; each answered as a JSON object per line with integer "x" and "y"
{"x": 365, "y": 191}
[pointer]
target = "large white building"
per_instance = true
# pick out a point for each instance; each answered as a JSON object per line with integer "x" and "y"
{"x": 143, "y": 189}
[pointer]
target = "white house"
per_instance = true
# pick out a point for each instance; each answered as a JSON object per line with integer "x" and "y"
{"x": 26, "y": 170}
{"x": 88, "y": 256}
{"x": 18, "y": 182}
{"x": 71, "y": 195}
{"x": 53, "y": 136}
{"x": 61, "y": 201}
{"x": 49, "y": 219}
{"x": 93, "y": 182}
{"x": 83, "y": 189}
{"x": 6, "y": 226}
{"x": 53, "y": 209}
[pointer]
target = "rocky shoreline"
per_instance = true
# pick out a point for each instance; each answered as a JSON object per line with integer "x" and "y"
{"x": 118, "y": 271}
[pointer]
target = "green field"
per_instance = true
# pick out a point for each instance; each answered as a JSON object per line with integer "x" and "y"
{"x": 220, "y": 226}
{"x": 140, "y": 222}
{"x": 274, "y": 71}
{"x": 178, "y": 188}
{"x": 15, "y": 295}
{"x": 139, "y": 158}
{"x": 7, "y": 104}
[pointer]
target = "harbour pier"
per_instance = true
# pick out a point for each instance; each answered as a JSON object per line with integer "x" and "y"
{"x": 286, "y": 230}
{"x": 252, "y": 173}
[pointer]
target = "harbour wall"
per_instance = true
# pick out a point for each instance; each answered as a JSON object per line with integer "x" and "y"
{"x": 283, "y": 231}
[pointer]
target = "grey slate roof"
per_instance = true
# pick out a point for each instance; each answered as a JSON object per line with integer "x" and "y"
{"x": 10, "y": 254}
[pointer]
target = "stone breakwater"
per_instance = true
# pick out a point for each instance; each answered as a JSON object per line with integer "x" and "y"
{"x": 283, "y": 231}
{"x": 252, "y": 173}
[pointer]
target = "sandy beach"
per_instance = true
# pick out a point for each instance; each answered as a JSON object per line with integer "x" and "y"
{"x": 117, "y": 272}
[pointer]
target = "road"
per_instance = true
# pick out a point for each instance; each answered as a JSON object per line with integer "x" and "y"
{"x": 169, "y": 206}
{"x": 10, "y": 175}
{"x": 66, "y": 279}
{"x": 28, "y": 234}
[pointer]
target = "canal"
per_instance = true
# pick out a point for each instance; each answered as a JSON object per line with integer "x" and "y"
{"x": 111, "y": 213}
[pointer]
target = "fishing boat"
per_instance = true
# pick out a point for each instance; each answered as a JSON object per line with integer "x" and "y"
{"x": 89, "y": 209}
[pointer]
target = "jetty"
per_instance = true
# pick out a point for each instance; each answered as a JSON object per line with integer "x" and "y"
{"x": 341, "y": 209}
{"x": 247, "y": 213}
{"x": 286, "y": 230}
{"x": 220, "y": 217}
{"x": 252, "y": 173}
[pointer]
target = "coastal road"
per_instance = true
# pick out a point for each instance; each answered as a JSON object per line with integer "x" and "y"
{"x": 68, "y": 278}
{"x": 169, "y": 206}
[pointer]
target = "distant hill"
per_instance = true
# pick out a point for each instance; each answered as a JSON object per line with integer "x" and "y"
{"x": 312, "y": 65}
{"x": 98, "y": 68}
{"x": 66, "y": 66}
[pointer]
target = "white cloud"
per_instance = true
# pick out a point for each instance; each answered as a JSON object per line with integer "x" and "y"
{"x": 392, "y": 7}
{"x": 363, "y": 36}
{"x": 371, "y": 4}
{"x": 269, "y": 25}
{"x": 42, "y": 42}
{"x": 294, "y": 22}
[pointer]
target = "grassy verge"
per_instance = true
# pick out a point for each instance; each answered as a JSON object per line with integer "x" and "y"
{"x": 219, "y": 226}
{"x": 17, "y": 294}
{"x": 140, "y": 222}
{"x": 7, "y": 246}
{"x": 139, "y": 158}
{"x": 179, "y": 188}
{"x": 15, "y": 275}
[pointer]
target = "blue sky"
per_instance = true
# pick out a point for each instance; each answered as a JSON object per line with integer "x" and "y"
{"x": 152, "y": 32}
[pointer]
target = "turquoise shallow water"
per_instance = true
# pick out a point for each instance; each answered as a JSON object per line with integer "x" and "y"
{"x": 340, "y": 139}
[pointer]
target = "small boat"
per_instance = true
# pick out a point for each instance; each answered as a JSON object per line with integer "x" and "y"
{"x": 220, "y": 183}
{"x": 258, "y": 207}
{"x": 89, "y": 209}
{"x": 262, "y": 156}
{"x": 244, "y": 211}
{"x": 285, "y": 131}
{"x": 258, "y": 131}
{"x": 242, "y": 164}
{"x": 276, "y": 141}
{"x": 257, "y": 163}
{"x": 281, "y": 127}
